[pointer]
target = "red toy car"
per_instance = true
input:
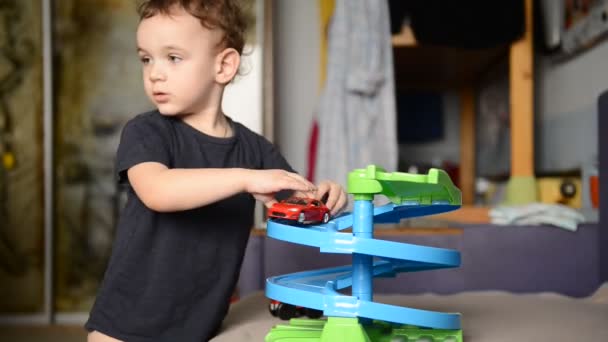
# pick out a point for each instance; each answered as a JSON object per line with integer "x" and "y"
{"x": 301, "y": 210}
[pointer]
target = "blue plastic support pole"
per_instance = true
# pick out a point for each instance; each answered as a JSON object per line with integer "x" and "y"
{"x": 363, "y": 215}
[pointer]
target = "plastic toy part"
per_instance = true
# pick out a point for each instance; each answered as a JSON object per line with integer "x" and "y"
{"x": 404, "y": 188}
{"x": 349, "y": 329}
{"x": 357, "y": 317}
{"x": 521, "y": 190}
{"x": 287, "y": 311}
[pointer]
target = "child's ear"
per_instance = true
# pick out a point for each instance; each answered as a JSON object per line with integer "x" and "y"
{"x": 227, "y": 65}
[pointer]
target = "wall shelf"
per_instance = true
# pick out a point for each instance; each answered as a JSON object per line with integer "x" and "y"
{"x": 440, "y": 68}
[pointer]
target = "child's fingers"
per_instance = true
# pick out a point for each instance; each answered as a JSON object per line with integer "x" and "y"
{"x": 305, "y": 194}
{"x": 322, "y": 190}
{"x": 340, "y": 203}
{"x": 267, "y": 199}
{"x": 331, "y": 192}
{"x": 308, "y": 186}
{"x": 334, "y": 193}
{"x": 335, "y": 197}
{"x": 290, "y": 183}
{"x": 270, "y": 203}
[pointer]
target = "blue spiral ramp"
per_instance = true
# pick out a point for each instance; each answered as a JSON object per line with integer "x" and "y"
{"x": 411, "y": 196}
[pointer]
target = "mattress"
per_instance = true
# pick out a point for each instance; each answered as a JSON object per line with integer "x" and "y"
{"x": 487, "y": 316}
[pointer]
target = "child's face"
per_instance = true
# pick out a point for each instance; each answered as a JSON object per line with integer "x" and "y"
{"x": 179, "y": 62}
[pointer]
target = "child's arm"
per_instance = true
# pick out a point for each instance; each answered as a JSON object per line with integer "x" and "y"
{"x": 164, "y": 190}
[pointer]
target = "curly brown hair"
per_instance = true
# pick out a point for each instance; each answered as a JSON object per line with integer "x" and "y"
{"x": 227, "y": 15}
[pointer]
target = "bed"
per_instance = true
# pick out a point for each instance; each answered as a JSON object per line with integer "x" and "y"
{"x": 487, "y": 316}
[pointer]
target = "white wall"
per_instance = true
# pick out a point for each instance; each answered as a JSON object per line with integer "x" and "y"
{"x": 242, "y": 99}
{"x": 566, "y": 108}
{"x": 296, "y": 70}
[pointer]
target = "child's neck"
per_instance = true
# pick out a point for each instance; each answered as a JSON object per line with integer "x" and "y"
{"x": 213, "y": 123}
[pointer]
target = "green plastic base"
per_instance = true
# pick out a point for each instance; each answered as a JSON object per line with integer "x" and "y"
{"x": 339, "y": 329}
{"x": 521, "y": 190}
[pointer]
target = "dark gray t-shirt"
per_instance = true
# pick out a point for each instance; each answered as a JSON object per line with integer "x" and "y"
{"x": 171, "y": 275}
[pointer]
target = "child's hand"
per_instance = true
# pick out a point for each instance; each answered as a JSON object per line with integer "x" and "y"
{"x": 264, "y": 184}
{"x": 335, "y": 194}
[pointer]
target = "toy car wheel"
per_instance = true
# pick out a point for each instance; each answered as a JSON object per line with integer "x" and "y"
{"x": 273, "y": 307}
{"x": 325, "y": 217}
{"x": 313, "y": 313}
{"x": 301, "y": 217}
{"x": 286, "y": 311}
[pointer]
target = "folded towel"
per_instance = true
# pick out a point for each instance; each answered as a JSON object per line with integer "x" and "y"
{"x": 537, "y": 213}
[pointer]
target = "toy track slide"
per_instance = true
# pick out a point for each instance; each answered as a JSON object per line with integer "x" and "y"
{"x": 411, "y": 196}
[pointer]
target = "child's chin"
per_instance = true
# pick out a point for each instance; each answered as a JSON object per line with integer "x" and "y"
{"x": 167, "y": 111}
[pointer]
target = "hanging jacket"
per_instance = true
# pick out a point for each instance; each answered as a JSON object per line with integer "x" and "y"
{"x": 356, "y": 111}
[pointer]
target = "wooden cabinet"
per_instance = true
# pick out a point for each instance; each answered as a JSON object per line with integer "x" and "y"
{"x": 437, "y": 68}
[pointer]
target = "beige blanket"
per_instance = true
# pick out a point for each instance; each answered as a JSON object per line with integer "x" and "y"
{"x": 487, "y": 316}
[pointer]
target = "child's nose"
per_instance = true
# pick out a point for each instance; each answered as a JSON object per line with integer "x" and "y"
{"x": 157, "y": 73}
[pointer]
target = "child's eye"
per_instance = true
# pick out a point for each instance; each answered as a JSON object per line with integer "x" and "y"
{"x": 175, "y": 59}
{"x": 144, "y": 60}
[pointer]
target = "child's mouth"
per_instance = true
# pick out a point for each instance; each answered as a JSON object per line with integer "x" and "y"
{"x": 161, "y": 97}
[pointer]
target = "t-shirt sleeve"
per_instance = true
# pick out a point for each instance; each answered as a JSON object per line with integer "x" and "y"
{"x": 141, "y": 142}
{"x": 272, "y": 158}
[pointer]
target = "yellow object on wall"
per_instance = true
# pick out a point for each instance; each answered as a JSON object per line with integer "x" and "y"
{"x": 326, "y": 10}
{"x": 562, "y": 190}
{"x": 8, "y": 160}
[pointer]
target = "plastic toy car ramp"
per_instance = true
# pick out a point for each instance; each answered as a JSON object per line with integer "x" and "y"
{"x": 319, "y": 289}
{"x": 411, "y": 195}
